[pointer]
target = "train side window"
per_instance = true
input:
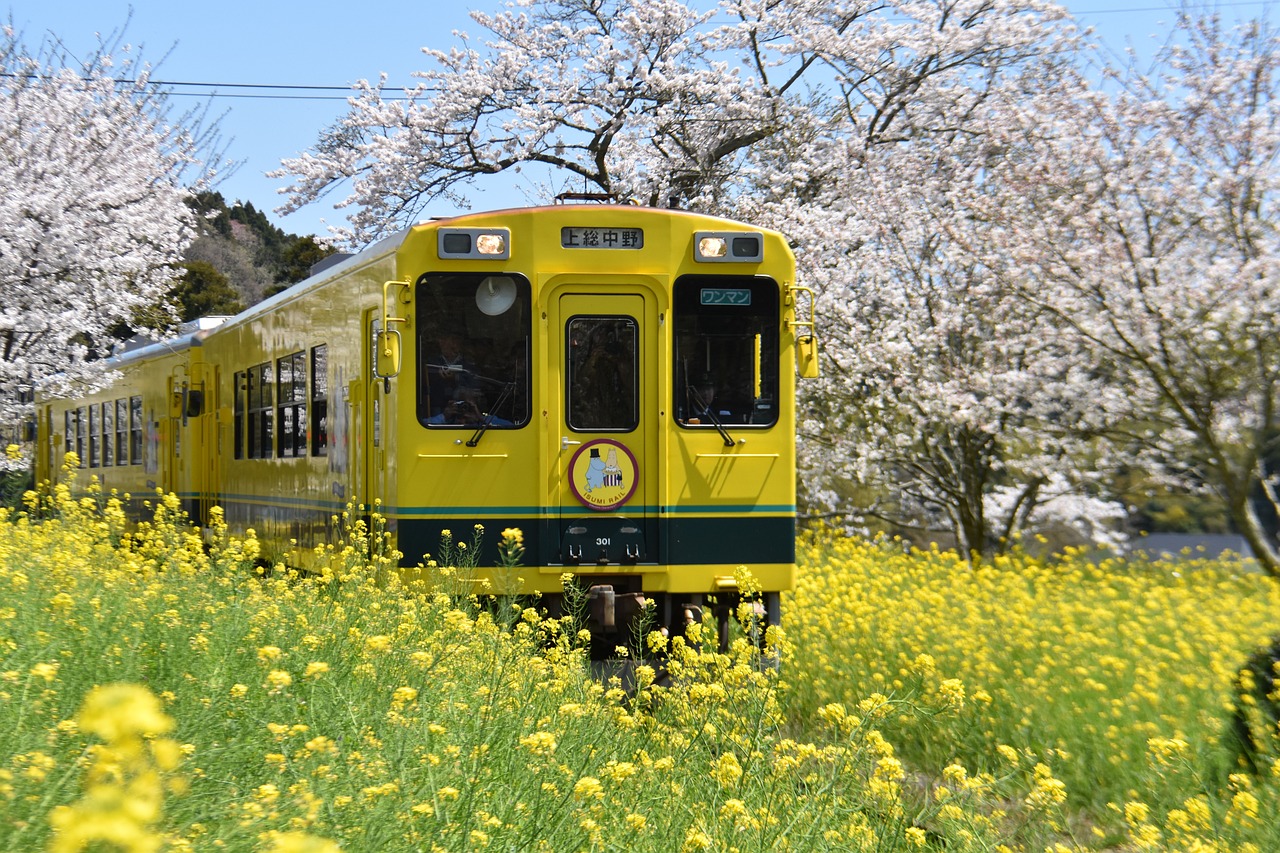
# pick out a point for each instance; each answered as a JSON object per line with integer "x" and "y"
{"x": 108, "y": 434}
{"x": 135, "y": 430}
{"x": 69, "y": 431}
{"x": 261, "y": 412}
{"x": 95, "y": 440}
{"x": 603, "y": 374}
{"x": 240, "y": 388}
{"x": 122, "y": 432}
{"x": 81, "y": 417}
{"x": 473, "y": 347}
{"x": 726, "y": 350}
{"x": 320, "y": 400}
{"x": 291, "y": 378}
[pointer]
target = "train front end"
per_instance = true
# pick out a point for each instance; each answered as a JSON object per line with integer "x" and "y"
{"x": 617, "y": 384}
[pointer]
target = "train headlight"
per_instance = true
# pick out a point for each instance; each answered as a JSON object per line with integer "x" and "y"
{"x": 712, "y": 247}
{"x": 486, "y": 243}
{"x": 735, "y": 247}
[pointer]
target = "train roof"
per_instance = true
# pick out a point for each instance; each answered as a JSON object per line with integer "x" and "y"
{"x": 193, "y": 334}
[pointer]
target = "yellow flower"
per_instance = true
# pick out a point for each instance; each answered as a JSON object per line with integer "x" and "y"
{"x": 377, "y": 643}
{"x": 278, "y": 680}
{"x": 1046, "y": 791}
{"x": 266, "y": 654}
{"x": 321, "y": 744}
{"x": 539, "y": 743}
{"x": 952, "y": 692}
{"x": 1244, "y": 809}
{"x": 1136, "y": 813}
{"x": 119, "y": 711}
{"x": 315, "y": 669}
{"x": 696, "y": 839}
{"x": 587, "y": 788}
{"x": 727, "y": 770}
{"x": 46, "y": 671}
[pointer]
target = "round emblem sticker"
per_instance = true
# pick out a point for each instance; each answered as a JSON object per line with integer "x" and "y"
{"x": 603, "y": 474}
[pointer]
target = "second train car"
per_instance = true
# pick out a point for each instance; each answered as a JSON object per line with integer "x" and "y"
{"x": 617, "y": 382}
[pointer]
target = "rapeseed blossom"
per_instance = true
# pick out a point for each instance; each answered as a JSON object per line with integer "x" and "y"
{"x": 405, "y": 717}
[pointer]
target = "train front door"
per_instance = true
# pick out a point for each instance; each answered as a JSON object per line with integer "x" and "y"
{"x": 605, "y": 409}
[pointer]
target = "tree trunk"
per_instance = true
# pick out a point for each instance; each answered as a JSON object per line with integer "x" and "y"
{"x": 1245, "y": 516}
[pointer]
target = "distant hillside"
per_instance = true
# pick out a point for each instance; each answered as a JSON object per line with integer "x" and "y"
{"x": 239, "y": 259}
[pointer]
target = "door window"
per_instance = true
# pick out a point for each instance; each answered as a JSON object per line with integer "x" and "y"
{"x": 603, "y": 374}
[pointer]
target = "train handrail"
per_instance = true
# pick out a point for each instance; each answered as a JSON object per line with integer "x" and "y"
{"x": 806, "y": 345}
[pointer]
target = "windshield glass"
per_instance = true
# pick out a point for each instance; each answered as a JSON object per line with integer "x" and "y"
{"x": 726, "y": 351}
{"x": 473, "y": 350}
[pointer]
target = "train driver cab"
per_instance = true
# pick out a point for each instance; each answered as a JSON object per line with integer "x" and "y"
{"x": 473, "y": 340}
{"x": 726, "y": 351}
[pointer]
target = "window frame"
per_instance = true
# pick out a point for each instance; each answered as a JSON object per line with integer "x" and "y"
{"x": 260, "y": 408}
{"x": 122, "y": 431}
{"x": 135, "y": 429}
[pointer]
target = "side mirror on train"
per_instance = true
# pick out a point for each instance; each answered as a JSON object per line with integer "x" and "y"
{"x": 389, "y": 354}
{"x": 194, "y": 407}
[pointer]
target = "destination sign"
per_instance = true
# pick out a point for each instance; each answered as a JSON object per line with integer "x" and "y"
{"x": 602, "y": 238}
{"x": 726, "y": 296}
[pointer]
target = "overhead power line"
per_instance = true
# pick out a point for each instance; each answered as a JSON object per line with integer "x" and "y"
{"x": 1136, "y": 9}
{"x": 285, "y": 91}
{"x": 273, "y": 91}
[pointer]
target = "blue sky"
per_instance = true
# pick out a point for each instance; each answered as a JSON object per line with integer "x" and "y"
{"x": 324, "y": 43}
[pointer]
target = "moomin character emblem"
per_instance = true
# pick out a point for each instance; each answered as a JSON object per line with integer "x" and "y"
{"x": 603, "y": 474}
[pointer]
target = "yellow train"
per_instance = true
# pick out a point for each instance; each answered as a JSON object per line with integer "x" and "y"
{"x": 615, "y": 381}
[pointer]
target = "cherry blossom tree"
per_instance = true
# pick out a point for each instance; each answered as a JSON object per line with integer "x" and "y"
{"x": 92, "y": 219}
{"x": 946, "y": 405}
{"x": 1024, "y": 278}
{"x": 857, "y": 128}
{"x": 1149, "y": 234}
{"x": 655, "y": 101}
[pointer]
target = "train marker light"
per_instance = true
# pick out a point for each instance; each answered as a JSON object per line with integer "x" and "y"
{"x": 728, "y": 247}
{"x": 488, "y": 243}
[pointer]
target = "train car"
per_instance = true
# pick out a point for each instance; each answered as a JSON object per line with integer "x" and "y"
{"x": 617, "y": 382}
{"x": 139, "y": 432}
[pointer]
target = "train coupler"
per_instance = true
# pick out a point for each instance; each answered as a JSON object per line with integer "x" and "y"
{"x": 610, "y": 610}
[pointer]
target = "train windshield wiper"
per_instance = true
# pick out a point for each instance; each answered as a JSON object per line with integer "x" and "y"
{"x": 489, "y": 415}
{"x": 706, "y": 410}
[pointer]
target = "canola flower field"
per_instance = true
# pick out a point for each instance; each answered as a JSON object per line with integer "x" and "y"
{"x": 160, "y": 695}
